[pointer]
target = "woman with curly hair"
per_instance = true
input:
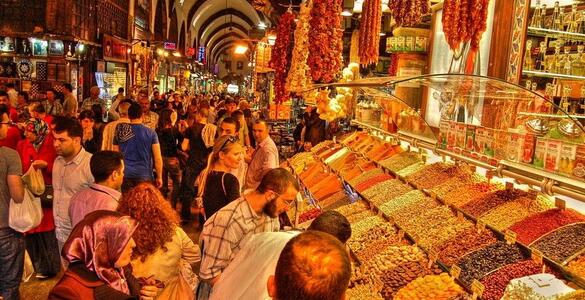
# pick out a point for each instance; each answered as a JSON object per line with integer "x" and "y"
{"x": 163, "y": 250}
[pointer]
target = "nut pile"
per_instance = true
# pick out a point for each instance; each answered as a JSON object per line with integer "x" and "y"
{"x": 363, "y": 292}
{"x": 468, "y": 193}
{"x": 402, "y": 275}
{"x": 365, "y": 176}
{"x": 511, "y": 212}
{"x": 562, "y": 243}
{"x": 360, "y": 216}
{"x": 455, "y": 183}
{"x": 577, "y": 266}
{"x": 430, "y": 287}
{"x": 363, "y": 226}
{"x": 481, "y": 206}
{"x": 401, "y": 161}
{"x": 397, "y": 203}
{"x": 387, "y": 191}
{"x": 327, "y": 202}
{"x": 378, "y": 237}
{"x": 353, "y": 208}
{"x": 437, "y": 235}
{"x": 477, "y": 264}
{"x": 388, "y": 259}
{"x": 467, "y": 241}
{"x": 495, "y": 283}
{"x": 535, "y": 226}
{"x": 429, "y": 176}
{"x": 411, "y": 169}
{"x": 426, "y": 219}
{"x": 413, "y": 210}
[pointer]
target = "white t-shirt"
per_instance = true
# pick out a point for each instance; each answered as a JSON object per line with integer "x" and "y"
{"x": 246, "y": 276}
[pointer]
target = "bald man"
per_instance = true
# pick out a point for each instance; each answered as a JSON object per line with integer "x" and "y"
{"x": 110, "y": 128}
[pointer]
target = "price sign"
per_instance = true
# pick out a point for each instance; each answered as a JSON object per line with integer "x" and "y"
{"x": 560, "y": 203}
{"x": 510, "y": 236}
{"x": 477, "y": 288}
{"x": 455, "y": 271}
{"x": 537, "y": 256}
{"x": 480, "y": 225}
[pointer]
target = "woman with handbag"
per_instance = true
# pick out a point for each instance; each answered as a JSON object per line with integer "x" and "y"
{"x": 37, "y": 150}
{"x": 163, "y": 250}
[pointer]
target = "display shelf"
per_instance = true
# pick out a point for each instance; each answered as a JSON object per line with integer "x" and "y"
{"x": 552, "y": 116}
{"x": 551, "y": 75}
{"x": 550, "y": 33}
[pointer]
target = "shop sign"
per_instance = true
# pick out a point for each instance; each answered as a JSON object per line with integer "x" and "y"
{"x": 114, "y": 49}
{"x": 169, "y": 46}
{"x": 201, "y": 55}
{"x": 190, "y": 52}
{"x": 39, "y": 47}
{"x": 7, "y": 44}
{"x": 56, "y": 48}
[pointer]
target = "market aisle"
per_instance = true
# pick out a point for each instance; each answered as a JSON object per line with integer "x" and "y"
{"x": 39, "y": 289}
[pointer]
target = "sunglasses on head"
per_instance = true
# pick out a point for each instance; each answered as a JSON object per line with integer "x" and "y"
{"x": 229, "y": 139}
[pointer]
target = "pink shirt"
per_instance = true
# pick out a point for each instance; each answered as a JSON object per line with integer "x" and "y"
{"x": 95, "y": 197}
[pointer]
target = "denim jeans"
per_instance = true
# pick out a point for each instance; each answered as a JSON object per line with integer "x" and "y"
{"x": 188, "y": 190}
{"x": 172, "y": 169}
{"x": 11, "y": 263}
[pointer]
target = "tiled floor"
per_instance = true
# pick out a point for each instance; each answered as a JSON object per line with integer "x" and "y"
{"x": 39, "y": 289}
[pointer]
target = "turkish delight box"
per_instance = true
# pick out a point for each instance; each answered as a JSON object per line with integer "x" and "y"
{"x": 539, "y": 153}
{"x": 553, "y": 155}
{"x": 579, "y": 169}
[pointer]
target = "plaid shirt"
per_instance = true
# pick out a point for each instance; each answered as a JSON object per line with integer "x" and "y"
{"x": 223, "y": 233}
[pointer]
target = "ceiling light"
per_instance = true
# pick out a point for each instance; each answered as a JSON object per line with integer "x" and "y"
{"x": 262, "y": 25}
{"x": 346, "y": 13}
{"x": 177, "y": 54}
{"x": 160, "y": 51}
{"x": 382, "y": 33}
{"x": 166, "y": 53}
{"x": 240, "y": 49}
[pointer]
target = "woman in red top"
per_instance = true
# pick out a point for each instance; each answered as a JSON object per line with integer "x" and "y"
{"x": 9, "y": 131}
{"x": 36, "y": 150}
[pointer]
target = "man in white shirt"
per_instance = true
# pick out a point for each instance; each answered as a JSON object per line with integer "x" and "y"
{"x": 264, "y": 158}
{"x": 116, "y": 100}
{"x": 12, "y": 94}
{"x": 110, "y": 128}
{"x": 71, "y": 173}
{"x": 260, "y": 253}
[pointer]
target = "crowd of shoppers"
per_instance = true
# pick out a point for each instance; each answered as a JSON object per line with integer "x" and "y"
{"x": 121, "y": 181}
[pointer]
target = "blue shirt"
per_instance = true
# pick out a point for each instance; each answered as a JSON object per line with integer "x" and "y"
{"x": 135, "y": 141}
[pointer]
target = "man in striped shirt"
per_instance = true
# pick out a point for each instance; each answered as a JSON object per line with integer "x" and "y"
{"x": 255, "y": 212}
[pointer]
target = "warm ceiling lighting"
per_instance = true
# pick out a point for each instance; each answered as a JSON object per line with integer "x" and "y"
{"x": 261, "y": 25}
{"x": 382, "y": 33}
{"x": 160, "y": 51}
{"x": 240, "y": 49}
{"x": 166, "y": 53}
{"x": 176, "y": 54}
{"x": 346, "y": 13}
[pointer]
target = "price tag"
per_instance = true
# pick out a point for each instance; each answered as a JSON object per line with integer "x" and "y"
{"x": 560, "y": 203}
{"x": 510, "y": 236}
{"x": 480, "y": 225}
{"x": 460, "y": 216}
{"x": 477, "y": 288}
{"x": 433, "y": 257}
{"x": 509, "y": 185}
{"x": 537, "y": 256}
{"x": 455, "y": 271}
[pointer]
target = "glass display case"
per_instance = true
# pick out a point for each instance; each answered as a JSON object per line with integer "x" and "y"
{"x": 512, "y": 130}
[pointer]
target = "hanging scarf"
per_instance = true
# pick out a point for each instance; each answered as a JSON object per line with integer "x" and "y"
{"x": 38, "y": 127}
{"x": 98, "y": 241}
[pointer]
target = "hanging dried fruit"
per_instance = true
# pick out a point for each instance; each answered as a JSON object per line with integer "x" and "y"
{"x": 408, "y": 12}
{"x": 325, "y": 40}
{"x": 370, "y": 32}
{"x": 281, "y": 54}
{"x": 299, "y": 75}
{"x": 354, "y": 47}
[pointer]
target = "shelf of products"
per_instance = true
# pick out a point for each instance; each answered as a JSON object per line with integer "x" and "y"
{"x": 392, "y": 266}
{"x": 551, "y": 75}
{"x": 558, "y": 34}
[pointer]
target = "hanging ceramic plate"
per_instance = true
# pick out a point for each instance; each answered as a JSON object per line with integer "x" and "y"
{"x": 24, "y": 68}
{"x": 1, "y": 70}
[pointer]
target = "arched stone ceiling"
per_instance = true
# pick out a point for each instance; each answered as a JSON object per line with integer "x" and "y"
{"x": 228, "y": 36}
{"x": 219, "y": 25}
{"x": 224, "y": 34}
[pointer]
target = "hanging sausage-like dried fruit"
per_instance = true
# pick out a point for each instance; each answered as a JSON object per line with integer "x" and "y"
{"x": 370, "y": 26}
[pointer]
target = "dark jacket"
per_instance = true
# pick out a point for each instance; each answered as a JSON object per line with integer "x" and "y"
{"x": 316, "y": 131}
{"x": 80, "y": 283}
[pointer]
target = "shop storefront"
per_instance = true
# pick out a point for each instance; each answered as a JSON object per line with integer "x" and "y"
{"x": 112, "y": 72}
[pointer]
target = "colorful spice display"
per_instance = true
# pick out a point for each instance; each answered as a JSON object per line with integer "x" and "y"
{"x": 440, "y": 286}
{"x": 365, "y": 176}
{"x": 402, "y": 275}
{"x": 456, "y": 182}
{"x": 477, "y": 264}
{"x": 374, "y": 241}
{"x": 435, "y": 236}
{"x": 562, "y": 243}
{"x": 466, "y": 242}
{"x": 426, "y": 219}
{"x": 360, "y": 216}
{"x": 363, "y": 226}
{"x": 354, "y": 208}
{"x": 511, "y": 212}
{"x": 535, "y": 226}
{"x": 309, "y": 215}
{"x": 325, "y": 40}
{"x": 577, "y": 266}
{"x": 363, "y": 292}
{"x": 370, "y": 182}
{"x": 483, "y": 205}
{"x": 411, "y": 169}
{"x": 386, "y": 190}
{"x": 411, "y": 211}
{"x": 280, "y": 59}
{"x": 495, "y": 283}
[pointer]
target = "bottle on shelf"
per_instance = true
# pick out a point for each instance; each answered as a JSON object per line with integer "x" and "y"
{"x": 574, "y": 20}
{"x": 540, "y": 64}
{"x": 536, "y": 17}
{"x": 579, "y": 61}
{"x": 557, "y": 61}
{"x": 543, "y": 16}
{"x": 528, "y": 64}
{"x": 557, "y": 18}
{"x": 581, "y": 108}
{"x": 567, "y": 61}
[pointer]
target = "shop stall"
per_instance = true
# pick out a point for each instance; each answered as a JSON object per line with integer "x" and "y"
{"x": 488, "y": 204}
